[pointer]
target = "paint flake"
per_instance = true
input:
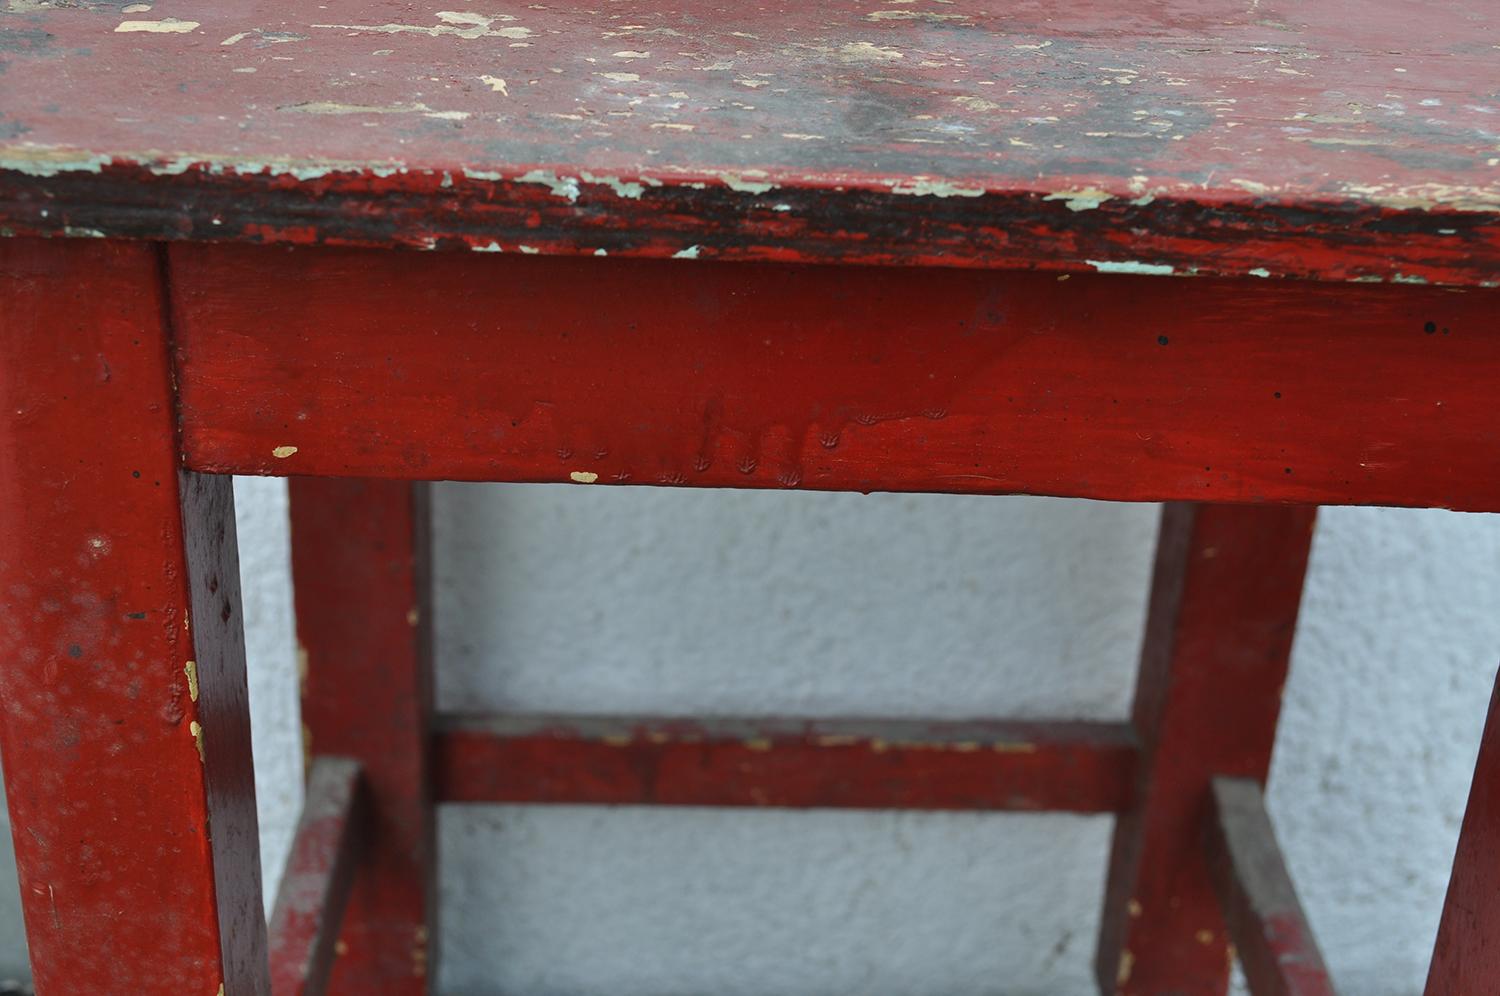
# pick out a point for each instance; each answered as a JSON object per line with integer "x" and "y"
{"x": 166, "y": 26}
{"x": 1085, "y": 199}
{"x": 561, "y": 186}
{"x": 1131, "y": 266}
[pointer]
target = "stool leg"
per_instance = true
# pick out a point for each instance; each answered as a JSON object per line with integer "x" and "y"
{"x": 1223, "y": 609}
{"x": 1466, "y": 959}
{"x": 123, "y": 713}
{"x": 360, "y": 570}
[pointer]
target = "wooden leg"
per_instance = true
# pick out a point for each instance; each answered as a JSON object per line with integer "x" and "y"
{"x": 1267, "y": 927}
{"x": 314, "y": 890}
{"x": 1466, "y": 959}
{"x": 1223, "y": 609}
{"x": 123, "y": 714}
{"x": 359, "y": 565}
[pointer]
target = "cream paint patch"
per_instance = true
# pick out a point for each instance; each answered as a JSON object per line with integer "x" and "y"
{"x": 1130, "y": 266}
{"x": 334, "y": 107}
{"x": 496, "y": 84}
{"x": 561, "y": 186}
{"x": 1080, "y": 200}
{"x": 191, "y": 670}
{"x": 914, "y": 15}
{"x": 924, "y": 187}
{"x": 1010, "y": 747}
{"x": 977, "y": 104}
{"x": 738, "y": 182}
{"x": 584, "y": 476}
{"x": 458, "y": 24}
{"x": 868, "y": 52}
{"x": 166, "y": 26}
{"x": 622, "y": 188}
{"x": 282, "y": 452}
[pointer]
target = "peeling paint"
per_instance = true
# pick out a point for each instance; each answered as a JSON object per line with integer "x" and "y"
{"x": 1012, "y": 747}
{"x": 622, "y": 188}
{"x": 864, "y": 51}
{"x": 334, "y": 107}
{"x": 464, "y": 26}
{"x": 1081, "y": 200}
{"x": 561, "y": 186}
{"x": 166, "y": 26}
{"x": 1013, "y": 146}
{"x": 1152, "y": 269}
{"x": 583, "y": 476}
{"x": 913, "y": 15}
{"x": 196, "y": 729}
{"x": 977, "y": 104}
{"x": 191, "y": 670}
{"x": 282, "y": 452}
{"x": 691, "y": 252}
{"x": 737, "y": 182}
{"x": 925, "y": 187}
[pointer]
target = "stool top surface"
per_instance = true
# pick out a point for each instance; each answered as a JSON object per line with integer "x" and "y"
{"x": 1339, "y": 139}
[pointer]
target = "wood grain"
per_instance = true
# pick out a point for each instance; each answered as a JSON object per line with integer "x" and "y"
{"x": 360, "y": 363}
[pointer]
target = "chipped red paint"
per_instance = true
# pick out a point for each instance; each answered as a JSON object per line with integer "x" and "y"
{"x": 1224, "y": 600}
{"x": 1270, "y": 933}
{"x": 124, "y": 724}
{"x": 1466, "y": 959}
{"x": 1339, "y": 140}
{"x": 360, "y": 577}
{"x": 834, "y": 378}
{"x": 1343, "y": 141}
{"x": 314, "y": 889}
{"x": 993, "y": 765}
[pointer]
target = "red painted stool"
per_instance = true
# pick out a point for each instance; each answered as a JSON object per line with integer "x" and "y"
{"x": 847, "y": 246}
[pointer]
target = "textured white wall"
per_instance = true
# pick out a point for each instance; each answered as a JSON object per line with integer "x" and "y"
{"x": 592, "y": 599}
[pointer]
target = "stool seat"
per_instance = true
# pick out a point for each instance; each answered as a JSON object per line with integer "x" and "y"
{"x": 1186, "y": 137}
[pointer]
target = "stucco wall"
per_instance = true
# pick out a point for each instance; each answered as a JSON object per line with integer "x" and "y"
{"x": 593, "y": 599}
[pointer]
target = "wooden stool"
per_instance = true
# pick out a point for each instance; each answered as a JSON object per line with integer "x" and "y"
{"x": 842, "y": 246}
